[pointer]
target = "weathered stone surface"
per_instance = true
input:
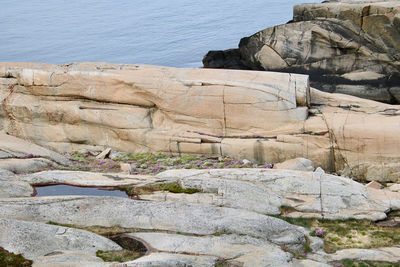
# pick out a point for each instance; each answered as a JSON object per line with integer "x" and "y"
{"x": 80, "y": 178}
{"x": 141, "y": 92}
{"x": 171, "y": 260}
{"x": 245, "y": 250}
{"x": 300, "y": 164}
{"x": 346, "y": 47}
{"x": 70, "y": 259}
{"x": 25, "y": 165}
{"x": 104, "y": 154}
{"x": 15, "y": 189}
{"x": 167, "y": 110}
{"x": 33, "y": 239}
{"x": 180, "y": 217}
{"x": 12, "y": 147}
{"x": 374, "y": 185}
{"x": 312, "y": 194}
{"x": 395, "y": 187}
{"x": 5, "y": 174}
{"x": 390, "y": 254}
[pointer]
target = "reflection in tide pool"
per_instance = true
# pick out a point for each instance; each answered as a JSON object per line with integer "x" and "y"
{"x": 67, "y": 190}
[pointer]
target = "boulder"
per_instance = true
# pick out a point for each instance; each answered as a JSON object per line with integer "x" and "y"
{"x": 346, "y": 47}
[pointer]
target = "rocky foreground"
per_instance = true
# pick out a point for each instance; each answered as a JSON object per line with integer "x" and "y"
{"x": 346, "y": 47}
{"x": 220, "y": 217}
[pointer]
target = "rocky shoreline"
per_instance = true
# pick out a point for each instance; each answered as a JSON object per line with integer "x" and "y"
{"x": 345, "y": 47}
{"x": 214, "y": 167}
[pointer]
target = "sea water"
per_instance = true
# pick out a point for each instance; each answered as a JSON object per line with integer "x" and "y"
{"x": 174, "y": 33}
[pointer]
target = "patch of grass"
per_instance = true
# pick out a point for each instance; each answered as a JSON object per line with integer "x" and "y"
{"x": 357, "y": 263}
{"x": 343, "y": 234}
{"x": 146, "y": 163}
{"x": 118, "y": 255}
{"x": 170, "y": 187}
{"x": 9, "y": 259}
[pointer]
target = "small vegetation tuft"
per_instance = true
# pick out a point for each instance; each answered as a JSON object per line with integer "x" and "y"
{"x": 344, "y": 234}
{"x": 357, "y": 263}
{"x": 174, "y": 187}
{"x": 9, "y": 259}
{"x": 118, "y": 255}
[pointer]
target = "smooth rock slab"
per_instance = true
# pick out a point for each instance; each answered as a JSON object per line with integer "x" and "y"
{"x": 127, "y": 213}
{"x": 26, "y": 165}
{"x": 70, "y": 259}
{"x": 312, "y": 194}
{"x": 81, "y": 178}
{"x": 34, "y": 240}
{"x": 247, "y": 250}
{"x": 15, "y": 189}
{"x": 391, "y": 254}
{"x": 16, "y": 147}
{"x": 171, "y": 260}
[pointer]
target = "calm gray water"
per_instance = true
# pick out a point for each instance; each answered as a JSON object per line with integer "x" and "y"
{"x": 162, "y": 32}
{"x": 67, "y": 190}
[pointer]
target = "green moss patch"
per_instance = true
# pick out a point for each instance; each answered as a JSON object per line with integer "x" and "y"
{"x": 8, "y": 259}
{"x": 118, "y": 255}
{"x": 170, "y": 187}
{"x": 344, "y": 234}
{"x": 356, "y": 263}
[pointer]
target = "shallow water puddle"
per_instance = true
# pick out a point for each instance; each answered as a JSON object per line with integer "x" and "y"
{"x": 68, "y": 190}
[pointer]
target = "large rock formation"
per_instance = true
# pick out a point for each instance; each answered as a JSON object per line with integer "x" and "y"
{"x": 345, "y": 47}
{"x": 262, "y": 116}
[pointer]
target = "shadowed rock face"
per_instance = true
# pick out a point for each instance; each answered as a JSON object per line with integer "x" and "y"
{"x": 261, "y": 116}
{"x": 345, "y": 47}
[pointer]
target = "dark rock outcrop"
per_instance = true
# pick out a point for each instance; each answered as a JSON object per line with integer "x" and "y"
{"x": 345, "y": 47}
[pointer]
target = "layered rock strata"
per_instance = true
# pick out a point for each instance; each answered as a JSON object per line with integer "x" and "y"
{"x": 345, "y": 47}
{"x": 261, "y": 116}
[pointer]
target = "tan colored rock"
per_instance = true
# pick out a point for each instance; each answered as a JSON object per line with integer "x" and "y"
{"x": 300, "y": 164}
{"x": 259, "y": 116}
{"x": 12, "y": 147}
{"x": 374, "y": 185}
{"x": 125, "y": 167}
{"x": 395, "y": 187}
{"x": 104, "y": 154}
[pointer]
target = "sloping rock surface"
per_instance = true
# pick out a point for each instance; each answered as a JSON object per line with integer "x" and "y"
{"x": 34, "y": 239}
{"x": 346, "y": 47}
{"x": 127, "y": 213}
{"x": 311, "y": 194}
{"x": 261, "y": 116}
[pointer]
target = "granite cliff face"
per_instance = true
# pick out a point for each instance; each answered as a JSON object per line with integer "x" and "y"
{"x": 261, "y": 116}
{"x": 345, "y": 47}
